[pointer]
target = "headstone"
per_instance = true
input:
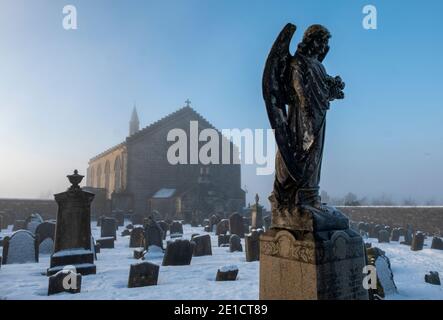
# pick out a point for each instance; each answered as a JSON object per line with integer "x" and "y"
{"x": 418, "y": 241}
{"x": 176, "y": 227}
{"x": 227, "y": 273}
{"x": 45, "y": 230}
{"x": 139, "y": 253}
{"x": 433, "y": 278}
{"x": 236, "y": 225}
{"x": 33, "y": 221}
{"x": 65, "y": 281}
{"x": 99, "y": 220}
{"x": 256, "y": 214}
{"x": 72, "y": 245}
{"x": 165, "y": 228}
{"x": 383, "y": 236}
{"x": 153, "y": 234}
{"x": 106, "y": 242}
{"x": 395, "y": 234}
{"x": 108, "y": 228}
{"x": 408, "y": 236}
{"x": 143, "y": 274}
{"x": 213, "y": 221}
{"x": 222, "y": 227}
{"x": 137, "y": 219}
{"x": 235, "y": 243}
{"x": 137, "y": 239}
{"x": 19, "y": 225}
{"x": 252, "y": 246}
{"x": 20, "y": 247}
{"x": 202, "y": 245}
{"x": 119, "y": 218}
{"x": 46, "y": 246}
{"x": 385, "y": 277}
{"x": 178, "y": 252}
{"x": 437, "y": 243}
{"x": 223, "y": 239}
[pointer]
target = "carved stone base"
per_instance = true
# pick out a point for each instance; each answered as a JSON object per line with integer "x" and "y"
{"x": 300, "y": 265}
{"x": 82, "y": 260}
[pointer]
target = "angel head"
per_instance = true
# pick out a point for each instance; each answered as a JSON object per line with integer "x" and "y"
{"x": 315, "y": 42}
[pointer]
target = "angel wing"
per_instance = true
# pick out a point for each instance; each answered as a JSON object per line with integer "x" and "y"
{"x": 275, "y": 94}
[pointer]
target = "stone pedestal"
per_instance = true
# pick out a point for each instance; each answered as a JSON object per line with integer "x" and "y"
{"x": 72, "y": 245}
{"x": 312, "y": 265}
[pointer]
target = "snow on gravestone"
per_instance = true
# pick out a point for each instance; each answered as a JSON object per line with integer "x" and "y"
{"x": 20, "y": 248}
{"x": 385, "y": 276}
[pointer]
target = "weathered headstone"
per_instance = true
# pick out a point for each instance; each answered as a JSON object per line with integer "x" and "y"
{"x": 108, "y": 228}
{"x": 165, "y": 227}
{"x": 178, "y": 252}
{"x": 222, "y": 227}
{"x": 137, "y": 239}
{"x": 99, "y": 220}
{"x": 65, "y": 281}
{"x": 202, "y": 245}
{"x": 45, "y": 230}
{"x": 252, "y": 246}
{"x": 235, "y": 243}
{"x": 20, "y": 247}
{"x": 227, "y": 273}
{"x": 213, "y": 221}
{"x": 437, "y": 243}
{"x": 153, "y": 234}
{"x": 72, "y": 245}
{"x": 256, "y": 214}
{"x": 33, "y": 221}
{"x": 106, "y": 242}
{"x": 236, "y": 225}
{"x": 385, "y": 277}
{"x": 46, "y": 246}
{"x": 433, "y": 278}
{"x": 176, "y": 227}
{"x": 395, "y": 234}
{"x": 383, "y": 236}
{"x": 143, "y": 274}
{"x": 418, "y": 241}
{"x": 223, "y": 239}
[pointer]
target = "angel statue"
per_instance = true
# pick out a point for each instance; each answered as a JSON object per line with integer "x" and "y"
{"x": 297, "y": 93}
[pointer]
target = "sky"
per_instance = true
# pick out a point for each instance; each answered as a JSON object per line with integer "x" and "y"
{"x": 66, "y": 95}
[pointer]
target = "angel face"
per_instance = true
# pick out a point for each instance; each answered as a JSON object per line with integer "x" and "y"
{"x": 321, "y": 47}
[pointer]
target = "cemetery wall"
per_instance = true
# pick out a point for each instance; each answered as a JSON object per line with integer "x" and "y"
{"x": 427, "y": 219}
{"x": 20, "y": 209}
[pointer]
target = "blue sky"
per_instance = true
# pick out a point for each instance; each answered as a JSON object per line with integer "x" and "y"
{"x": 66, "y": 95}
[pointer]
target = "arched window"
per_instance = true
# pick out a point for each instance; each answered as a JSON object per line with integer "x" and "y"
{"x": 99, "y": 176}
{"x": 107, "y": 175}
{"x": 117, "y": 175}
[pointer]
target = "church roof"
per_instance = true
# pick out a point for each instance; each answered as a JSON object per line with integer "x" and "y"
{"x": 182, "y": 112}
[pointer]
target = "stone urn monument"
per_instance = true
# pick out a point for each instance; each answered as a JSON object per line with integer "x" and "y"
{"x": 310, "y": 252}
{"x": 72, "y": 245}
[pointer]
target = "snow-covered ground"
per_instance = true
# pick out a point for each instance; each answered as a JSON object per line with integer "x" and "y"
{"x": 197, "y": 281}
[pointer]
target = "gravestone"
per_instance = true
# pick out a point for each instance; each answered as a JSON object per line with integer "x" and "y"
{"x": 139, "y": 253}
{"x": 178, "y": 253}
{"x": 165, "y": 227}
{"x": 58, "y": 281}
{"x": 223, "y": 239}
{"x": 213, "y": 221}
{"x": 99, "y": 220}
{"x": 72, "y": 245}
{"x": 45, "y": 230}
{"x": 252, "y": 246}
{"x": 256, "y": 214}
{"x": 108, "y": 228}
{"x": 385, "y": 276}
{"x": 433, "y": 278}
{"x": 137, "y": 239}
{"x": 46, "y": 246}
{"x": 137, "y": 219}
{"x": 106, "y": 242}
{"x": 202, "y": 245}
{"x": 236, "y": 225}
{"x": 235, "y": 243}
{"x": 176, "y": 227}
{"x": 222, "y": 227}
{"x": 19, "y": 225}
{"x": 395, "y": 234}
{"x": 418, "y": 241}
{"x": 437, "y": 243}
{"x": 143, "y": 274}
{"x": 408, "y": 236}
{"x": 33, "y": 221}
{"x": 153, "y": 234}
{"x": 383, "y": 236}
{"x": 119, "y": 217}
{"x": 20, "y": 247}
{"x": 227, "y": 273}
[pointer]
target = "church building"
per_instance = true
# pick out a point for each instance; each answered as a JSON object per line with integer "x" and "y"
{"x": 138, "y": 178}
